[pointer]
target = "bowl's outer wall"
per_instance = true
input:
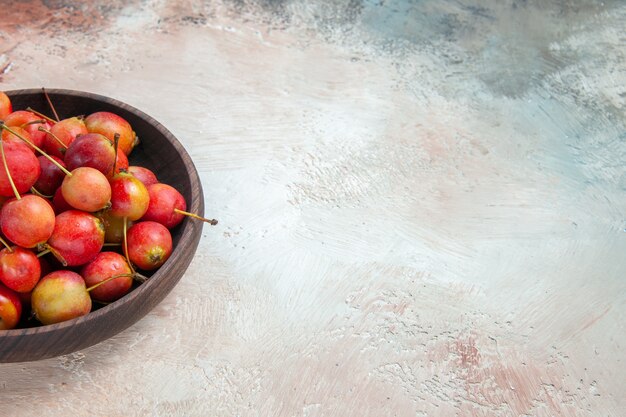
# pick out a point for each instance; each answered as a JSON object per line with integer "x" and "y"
{"x": 161, "y": 152}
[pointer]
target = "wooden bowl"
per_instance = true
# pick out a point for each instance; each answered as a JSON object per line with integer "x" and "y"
{"x": 161, "y": 152}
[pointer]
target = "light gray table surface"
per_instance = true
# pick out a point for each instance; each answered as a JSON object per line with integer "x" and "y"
{"x": 422, "y": 205}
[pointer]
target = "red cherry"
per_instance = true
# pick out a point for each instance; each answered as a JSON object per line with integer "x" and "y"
{"x": 10, "y": 308}
{"x": 6, "y": 107}
{"x": 23, "y": 166}
{"x": 66, "y": 132}
{"x": 19, "y": 269}
{"x": 149, "y": 244}
{"x": 164, "y": 200}
{"x": 28, "y": 221}
{"x": 108, "y": 124}
{"x": 77, "y": 237}
{"x": 29, "y": 122}
{"x": 143, "y": 174}
{"x": 51, "y": 175}
{"x": 12, "y": 137}
{"x": 86, "y": 189}
{"x": 129, "y": 197}
{"x": 105, "y": 266}
{"x": 91, "y": 150}
{"x": 58, "y": 202}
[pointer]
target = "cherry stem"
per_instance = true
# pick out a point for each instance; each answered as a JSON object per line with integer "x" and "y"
{"x": 55, "y": 137}
{"x": 45, "y": 93}
{"x": 5, "y": 127}
{"x": 93, "y": 287}
{"x": 43, "y": 252}
{"x": 6, "y": 167}
{"x": 212, "y": 222}
{"x": 56, "y": 254}
{"x": 116, "y": 141}
{"x": 140, "y": 277}
{"x": 34, "y": 191}
{"x": 126, "y": 245}
{"x": 112, "y": 244}
{"x": 51, "y": 120}
{"x": 4, "y": 242}
{"x": 32, "y": 122}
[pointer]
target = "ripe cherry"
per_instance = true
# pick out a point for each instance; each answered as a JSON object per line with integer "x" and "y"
{"x": 12, "y": 137}
{"x": 108, "y": 124}
{"x": 143, "y": 174}
{"x": 22, "y": 165}
{"x": 86, "y": 189}
{"x": 77, "y": 237}
{"x": 149, "y": 244}
{"x": 59, "y": 296}
{"x": 6, "y": 107}
{"x": 129, "y": 197}
{"x": 19, "y": 268}
{"x": 62, "y": 134}
{"x": 51, "y": 176}
{"x": 10, "y": 308}
{"x": 91, "y": 150}
{"x": 30, "y": 122}
{"x": 105, "y": 266}
{"x": 28, "y": 221}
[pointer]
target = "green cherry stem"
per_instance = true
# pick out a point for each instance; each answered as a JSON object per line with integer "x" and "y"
{"x": 32, "y": 122}
{"x": 4, "y": 242}
{"x": 212, "y": 222}
{"x": 93, "y": 287}
{"x": 6, "y": 168}
{"x": 55, "y": 137}
{"x": 56, "y": 253}
{"x": 126, "y": 245}
{"x": 51, "y": 120}
{"x": 32, "y": 145}
{"x": 34, "y": 191}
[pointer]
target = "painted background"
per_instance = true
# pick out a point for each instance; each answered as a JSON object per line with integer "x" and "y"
{"x": 421, "y": 203}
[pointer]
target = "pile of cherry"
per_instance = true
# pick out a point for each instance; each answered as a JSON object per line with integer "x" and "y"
{"x": 77, "y": 221}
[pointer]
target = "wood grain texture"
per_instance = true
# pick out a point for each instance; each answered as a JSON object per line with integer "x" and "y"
{"x": 159, "y": 151}
{"x": 421, "y": 206}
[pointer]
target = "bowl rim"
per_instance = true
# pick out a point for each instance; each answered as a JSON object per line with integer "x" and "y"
{"x": 196, "y": 205}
